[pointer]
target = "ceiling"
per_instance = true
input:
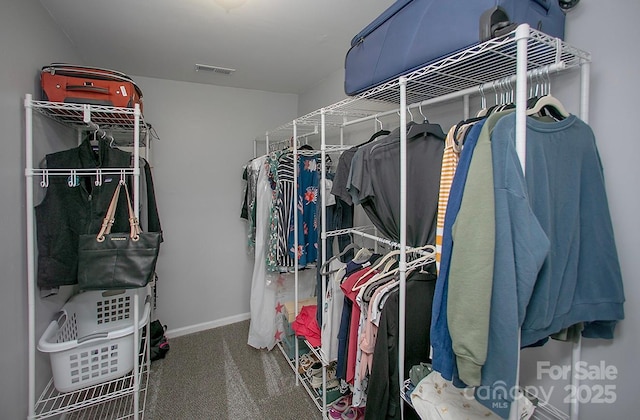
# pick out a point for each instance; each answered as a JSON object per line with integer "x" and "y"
{"x": 283, "y": 46}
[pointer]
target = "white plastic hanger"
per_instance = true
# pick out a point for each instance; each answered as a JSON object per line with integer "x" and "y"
{"x": 547, "y": 101}
{"x": 325, "y": 266}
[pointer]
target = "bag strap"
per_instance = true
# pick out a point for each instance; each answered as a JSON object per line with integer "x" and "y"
{"x": 109, "y": 218}
{"x": 134, "y": 224}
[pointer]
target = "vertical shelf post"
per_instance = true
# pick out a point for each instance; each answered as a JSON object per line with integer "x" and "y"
{"x": 31, "y": 261}
{"x": 522, "y": 40}
{"x": 403, "y": 235}
{"x": 576, "y": 351}
{"x": 323, "y": 202}
{"x": 294, "y": 201}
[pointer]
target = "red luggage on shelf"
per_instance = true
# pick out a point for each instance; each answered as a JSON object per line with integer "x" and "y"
{"x": 89, "y": 85}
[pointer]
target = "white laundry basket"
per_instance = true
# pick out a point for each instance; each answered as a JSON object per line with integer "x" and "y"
{"x": 91, "y": 339}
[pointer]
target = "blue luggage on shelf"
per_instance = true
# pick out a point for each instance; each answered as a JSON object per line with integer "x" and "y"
{"x": 413, "y": 33}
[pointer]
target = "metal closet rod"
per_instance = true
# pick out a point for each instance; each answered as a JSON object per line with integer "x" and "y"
{"x": 556, "y": 67}
{"x": 270, "y": 144}
{"x": 389, "y": 242}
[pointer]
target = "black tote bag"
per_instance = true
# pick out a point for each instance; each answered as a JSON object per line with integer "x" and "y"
{"x": 117, "y": 260}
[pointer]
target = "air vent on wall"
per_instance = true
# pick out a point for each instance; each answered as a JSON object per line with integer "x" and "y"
{"x": 214, "y": 69}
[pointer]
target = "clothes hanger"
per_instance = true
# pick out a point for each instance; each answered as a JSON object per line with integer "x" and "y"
{"x": 424, "y": 117}
{"x": 382, "y": 278}
{"x": 387, "y": 256}
{"x": 483, "y": 103}
{"x": 385, "y": 272}
{"x": 548, "y": 103}
{"x": 362, "y": 253}
{"x": 423, "y": 260}
{"x": 335, "y": 257}
{"x": 375, "y": 136}
{"x": 380, "y": 262}
{"x": 424, "y": 128}
{"x": 468, "y": 122}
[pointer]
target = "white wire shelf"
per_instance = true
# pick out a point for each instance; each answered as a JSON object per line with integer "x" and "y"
{"x": 116, "y": 122}
{"x": 315, "y": 396}
{"x": 108, "y": 400}
{"x": 115, "y": 409}
{"x": 489, "y": 62}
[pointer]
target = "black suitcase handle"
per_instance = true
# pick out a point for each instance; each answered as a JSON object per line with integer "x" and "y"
{"x": 88, "y": 88}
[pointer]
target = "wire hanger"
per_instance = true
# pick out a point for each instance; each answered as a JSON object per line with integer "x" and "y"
{"x": 424, "y": 117}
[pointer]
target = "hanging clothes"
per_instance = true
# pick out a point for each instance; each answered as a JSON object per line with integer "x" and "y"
{"x": 262, "y": 328}
{"x": 307, "y": 208}
{"x": 375, "y": 177}
{"x": 360, "y": 261}
{"x": 472, "y": 261}
{"x": 383, "y": 399}
{"x": 443, "y": 356}
{"x": 75, "y": 206}
{"x": 270, "y": 290}
{"x": 332, "y": 310}
{"x": 550, "y": 222}
{"x": 450, "y": 159}
{"x": 248, "y": 212}
{"x": 281, "y": 177}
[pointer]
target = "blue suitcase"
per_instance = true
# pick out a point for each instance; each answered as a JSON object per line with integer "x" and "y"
{"x": 412, "y": 33}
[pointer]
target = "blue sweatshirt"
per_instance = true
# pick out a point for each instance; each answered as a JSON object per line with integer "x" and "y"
{"x": 548, "y": 226}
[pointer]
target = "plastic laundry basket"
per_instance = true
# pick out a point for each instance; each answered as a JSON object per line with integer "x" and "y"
{"x": 91, "y": 339}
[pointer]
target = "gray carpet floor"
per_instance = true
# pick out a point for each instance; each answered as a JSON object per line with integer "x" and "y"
{"x": 214, "y": 374}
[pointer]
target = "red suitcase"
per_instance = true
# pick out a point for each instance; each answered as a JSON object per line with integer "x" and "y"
{"x": 89, "y": 85}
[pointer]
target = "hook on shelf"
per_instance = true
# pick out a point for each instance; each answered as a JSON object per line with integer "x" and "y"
{"x": 71, "y": 181}
{"x": 44, "y": 183}
{"x": 422, "y": 113}
{"x": 379, "y": 122}
{"x": 483, "y": 100}
{"x": 98, "y": 181}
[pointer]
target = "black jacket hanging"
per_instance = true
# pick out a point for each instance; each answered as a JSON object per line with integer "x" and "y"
{"x": 75, "y": 205}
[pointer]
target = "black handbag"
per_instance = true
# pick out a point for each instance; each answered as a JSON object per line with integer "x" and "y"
{"x": 117, "y": 260}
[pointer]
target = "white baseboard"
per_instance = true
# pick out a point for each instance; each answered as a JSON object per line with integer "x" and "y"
{"x": 177, "y": 332}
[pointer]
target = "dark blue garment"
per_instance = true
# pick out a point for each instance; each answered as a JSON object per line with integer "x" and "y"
{"x": 340, "y": 216}
{"x": 443, "y": 356}
{"x": 343, "y": 339}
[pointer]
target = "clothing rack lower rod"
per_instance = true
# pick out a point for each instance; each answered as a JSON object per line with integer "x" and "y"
{"x": 389, "y": 242}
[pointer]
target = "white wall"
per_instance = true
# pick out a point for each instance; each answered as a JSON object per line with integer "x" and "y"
{"x": 326, "y": 92}
{"x": 206, "y": 136}
{"x": 28, "y": 40}
{"x": 608, "y": 30}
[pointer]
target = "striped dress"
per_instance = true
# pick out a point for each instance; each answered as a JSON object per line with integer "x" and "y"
{"x": 450, "y": 159}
